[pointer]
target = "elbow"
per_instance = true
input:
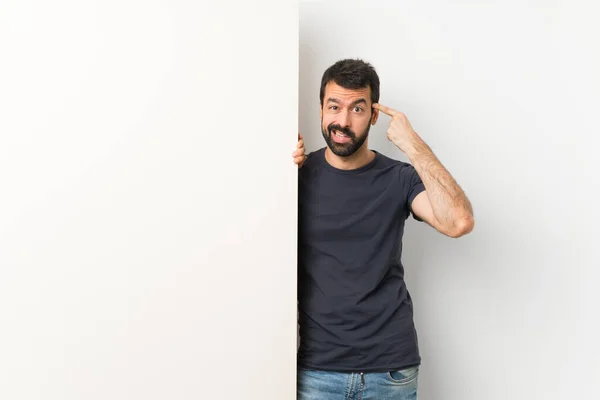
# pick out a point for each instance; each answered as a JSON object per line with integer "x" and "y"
{"x": 462, "y": 227}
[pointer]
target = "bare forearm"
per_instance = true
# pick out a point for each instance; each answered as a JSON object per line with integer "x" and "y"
{"x": 450, "y": 205}
{"x": 452, "y": 212}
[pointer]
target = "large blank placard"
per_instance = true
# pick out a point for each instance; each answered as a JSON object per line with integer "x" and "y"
{"x": 148, "y": 204}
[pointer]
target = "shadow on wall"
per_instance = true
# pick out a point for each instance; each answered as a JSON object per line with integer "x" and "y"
{"x": 421, "y": 245}
{"x": 311, "y": 71}
{"x": 427, "y": 256}
{"x": 469, "y": 300}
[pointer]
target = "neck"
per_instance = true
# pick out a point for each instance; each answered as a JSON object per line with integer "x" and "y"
{"x": 359, "y": 159}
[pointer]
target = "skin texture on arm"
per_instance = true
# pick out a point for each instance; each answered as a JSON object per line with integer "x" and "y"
{"x": 443, "y": 204}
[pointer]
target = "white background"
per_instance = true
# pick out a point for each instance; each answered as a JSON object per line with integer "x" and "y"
{"x": 507, "y": 95}
{"x": 148, "y": 199}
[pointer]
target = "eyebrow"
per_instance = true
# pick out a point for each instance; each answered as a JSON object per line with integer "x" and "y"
{"x": 355, "y": 102}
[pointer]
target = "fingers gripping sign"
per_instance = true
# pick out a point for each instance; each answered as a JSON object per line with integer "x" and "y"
{"x": 298, "y": 154}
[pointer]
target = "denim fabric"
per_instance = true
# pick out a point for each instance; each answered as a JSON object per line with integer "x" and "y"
{"x": 325, "y": 385}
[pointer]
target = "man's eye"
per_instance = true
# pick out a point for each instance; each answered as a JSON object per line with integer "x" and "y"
{"x": 358, "y": 109}
{"x": 333, "y": 108}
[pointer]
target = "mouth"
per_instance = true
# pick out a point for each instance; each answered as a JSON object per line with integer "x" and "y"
{"x": 340, "y": 137}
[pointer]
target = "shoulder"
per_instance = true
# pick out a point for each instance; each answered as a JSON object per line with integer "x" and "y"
{"x": 313, "y": 159}
{"x": 398, "y": 167}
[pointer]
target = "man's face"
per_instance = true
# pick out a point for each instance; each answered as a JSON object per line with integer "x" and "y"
{"x": 346, "y": 116}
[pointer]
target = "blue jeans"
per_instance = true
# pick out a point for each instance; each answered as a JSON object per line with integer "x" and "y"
{"x": 325, "y": 385}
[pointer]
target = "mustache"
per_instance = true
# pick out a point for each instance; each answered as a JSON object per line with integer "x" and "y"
{"x": 345, "y": 131}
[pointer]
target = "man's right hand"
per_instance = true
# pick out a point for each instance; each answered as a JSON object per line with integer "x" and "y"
{"x": 298, "y": 155}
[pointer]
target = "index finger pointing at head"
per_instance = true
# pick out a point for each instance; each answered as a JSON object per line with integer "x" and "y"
{"x": 385, "y": 109}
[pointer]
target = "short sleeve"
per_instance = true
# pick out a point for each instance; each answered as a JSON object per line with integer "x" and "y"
{"x": 414, "y": 186}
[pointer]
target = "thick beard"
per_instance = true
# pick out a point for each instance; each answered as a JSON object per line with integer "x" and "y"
{"x": 344, "y": 149}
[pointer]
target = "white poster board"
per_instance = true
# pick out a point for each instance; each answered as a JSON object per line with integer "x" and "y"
{"x": 148, "y": 199}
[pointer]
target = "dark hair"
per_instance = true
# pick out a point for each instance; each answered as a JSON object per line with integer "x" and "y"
{"x": 352, "y": 74}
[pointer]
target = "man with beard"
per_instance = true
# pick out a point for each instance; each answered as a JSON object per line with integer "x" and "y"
{"x": 357, "y": 335}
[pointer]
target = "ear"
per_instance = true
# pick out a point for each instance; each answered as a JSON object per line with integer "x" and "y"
{"x": 374, "y": 116}
{"x": 320, "y": 111}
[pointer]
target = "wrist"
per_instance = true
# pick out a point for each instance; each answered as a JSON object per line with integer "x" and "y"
{"x": 415, "y": 147}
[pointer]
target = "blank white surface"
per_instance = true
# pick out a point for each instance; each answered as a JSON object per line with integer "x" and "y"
{"x": 507, "y": 95}
{"x": 148, "y": 199}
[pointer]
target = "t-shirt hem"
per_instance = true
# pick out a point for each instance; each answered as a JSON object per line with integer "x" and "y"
{"x": 388, "y": 368}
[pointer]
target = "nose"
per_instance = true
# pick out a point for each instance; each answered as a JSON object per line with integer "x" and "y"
{"x": 344, "y": 120}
